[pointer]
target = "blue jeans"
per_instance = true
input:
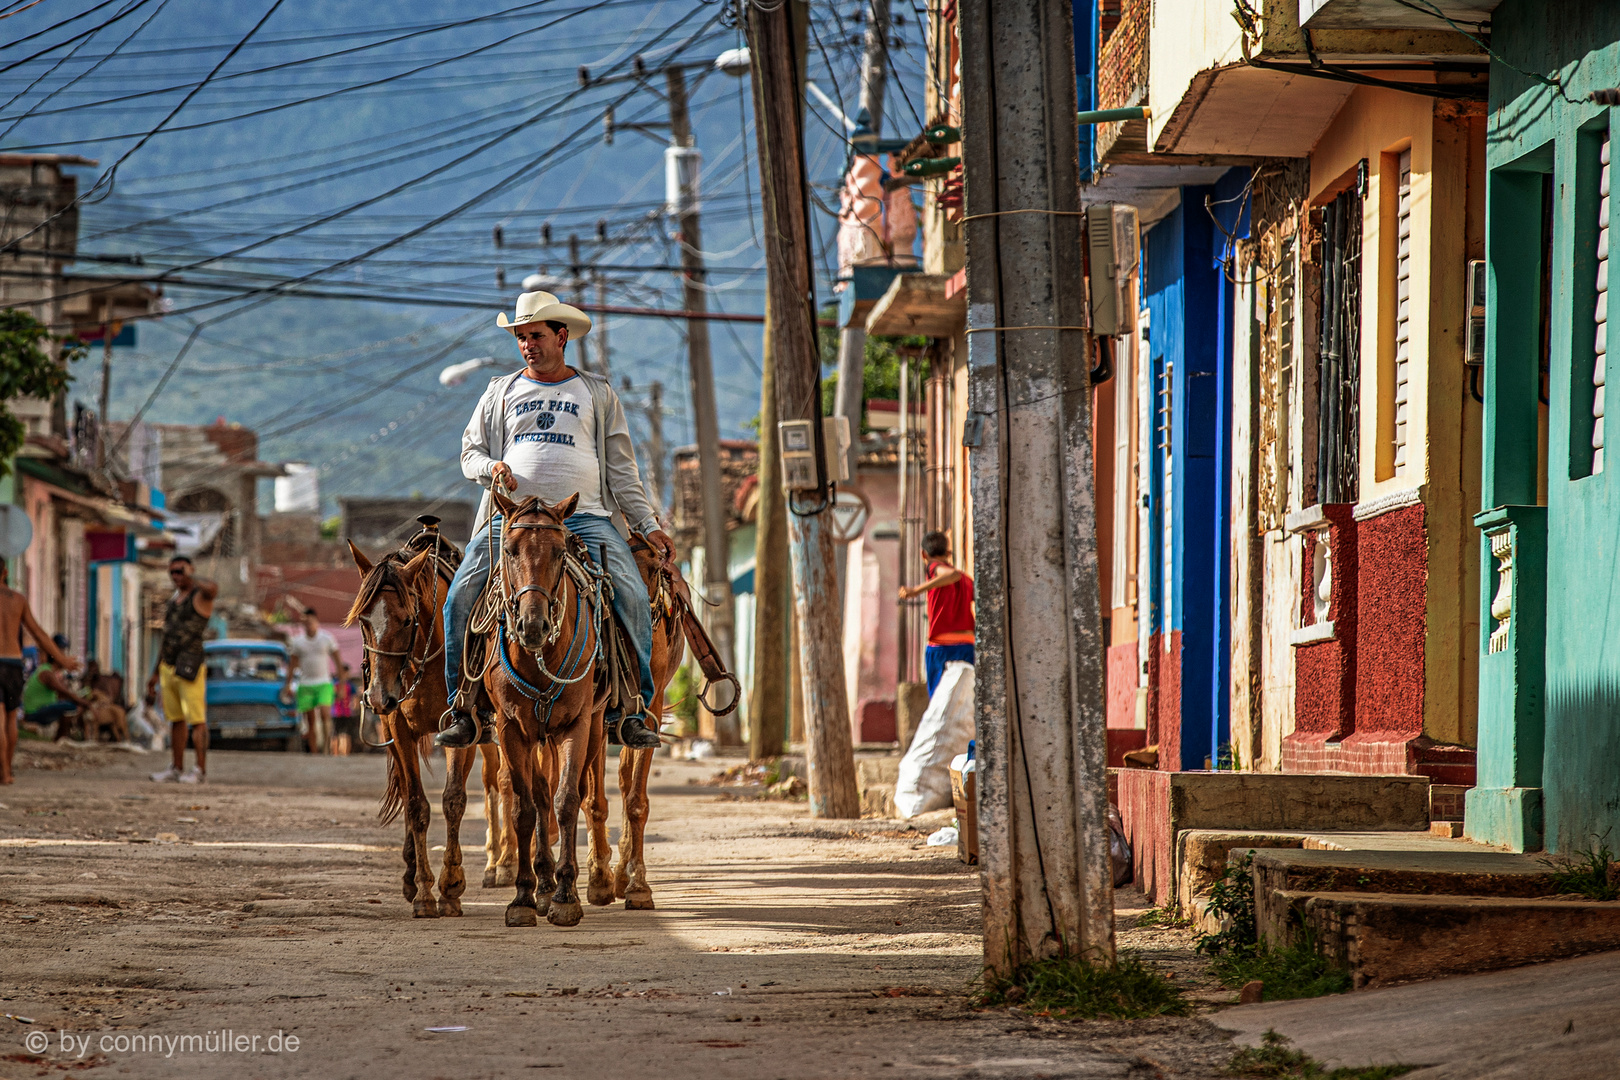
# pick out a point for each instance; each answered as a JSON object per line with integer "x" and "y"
{"x": 935, "y": 657}
{"x": 630, "y": 600}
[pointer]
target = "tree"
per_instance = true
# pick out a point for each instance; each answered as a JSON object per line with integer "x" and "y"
{"x": 27, "y": 369}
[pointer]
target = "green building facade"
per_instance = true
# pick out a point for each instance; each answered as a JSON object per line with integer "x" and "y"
{"x": 1549, "y": 724}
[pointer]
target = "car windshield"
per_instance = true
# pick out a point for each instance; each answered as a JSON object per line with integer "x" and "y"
{"x": 259, "y": 665}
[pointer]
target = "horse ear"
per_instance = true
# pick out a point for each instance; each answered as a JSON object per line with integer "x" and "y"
{"x": 417, "y": 562}
{"x": 360, "y": 559}
{"x": 503, "y": 505}
{"x": 565, "y": 509}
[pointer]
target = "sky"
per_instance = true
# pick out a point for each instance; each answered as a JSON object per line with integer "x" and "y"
{"x": 371, "y": 154}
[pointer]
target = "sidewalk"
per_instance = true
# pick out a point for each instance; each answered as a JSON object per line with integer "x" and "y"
{"x": 1548, "y": 1020}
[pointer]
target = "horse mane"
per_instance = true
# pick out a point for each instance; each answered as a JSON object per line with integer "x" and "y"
{"x": 383, "y": 573}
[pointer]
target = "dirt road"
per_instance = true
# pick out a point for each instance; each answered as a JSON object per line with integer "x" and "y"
{"x": 780, "y": 948}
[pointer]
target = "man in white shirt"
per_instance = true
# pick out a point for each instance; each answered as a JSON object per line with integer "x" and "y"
{"x": 314, "y": 657}
{"x": 552, "y": 431}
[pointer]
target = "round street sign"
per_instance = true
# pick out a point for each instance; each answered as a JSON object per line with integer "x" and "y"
{"x": 850, "y": 511}
{"x": 16, "y": 531}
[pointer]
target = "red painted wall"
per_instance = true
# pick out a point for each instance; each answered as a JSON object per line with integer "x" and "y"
{"x": 1122, "y": 683}
{"x": 1392, "y": 584}
{"x": 1144, "y": 809}
{"x": 1325, "y": 672}
{"x": 1169, "y": 703}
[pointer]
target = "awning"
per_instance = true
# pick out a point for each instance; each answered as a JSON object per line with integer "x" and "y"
{"x": 919, "y": 304}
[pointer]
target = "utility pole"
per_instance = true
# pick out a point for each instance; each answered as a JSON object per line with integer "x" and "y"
{"x": 577, "y": 289}
{"x": 769, "y": 705}
{"x": 600, "y": 330}
{"x": 682, "y": 157}
{"x": 1043, "y": 826}
{"x": 776, "y": 38}
{"x": 852, "y": 339}
{"x": 107, "y": 332}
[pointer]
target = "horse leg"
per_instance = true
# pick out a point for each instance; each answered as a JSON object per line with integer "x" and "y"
{"x": 506, "y": 869}
{"x": 494, "y": 813}
{"x": 400, "y": 765}
{"x": 565, "y": 909}
{"x": 453, "y": 876}
{"x": 631, "y": 880}
{"x": 547, "y": 756}
{"x": 523, "y": 910}
{"x": 599, "y": 891}
{"x": 418, "y": 813}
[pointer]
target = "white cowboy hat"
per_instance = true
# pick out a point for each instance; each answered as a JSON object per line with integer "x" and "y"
{"x": 542, "y": 307}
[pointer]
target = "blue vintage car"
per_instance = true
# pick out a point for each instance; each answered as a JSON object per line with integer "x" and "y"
{"x": 245, "y": 710}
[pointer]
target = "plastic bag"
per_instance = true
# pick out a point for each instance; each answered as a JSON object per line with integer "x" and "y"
{"x": 944, "y": 731}
{"x": 945, "y": 837}
{"x": 1119, "y": 849}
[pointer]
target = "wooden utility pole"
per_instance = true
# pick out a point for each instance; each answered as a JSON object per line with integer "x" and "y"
{"x": 776, "y": 44}
{"x": 107, "y": 334}
{"x": 1043, "y": 827}
{"x": 705, "y": 414}
{"x": 655, "y": 442}
{"x": 852, "y": 339}
{"x": 604, "y": 359}
{"x": 768, "y": 706}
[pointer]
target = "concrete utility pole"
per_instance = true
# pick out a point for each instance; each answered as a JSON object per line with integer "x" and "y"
{"x": 776, "y": 44}
{"x": 705, "y": 415}
{"x": 769, "y": 706}
{"x": 1043, "y": 826}
{"x": 852, "y": 339}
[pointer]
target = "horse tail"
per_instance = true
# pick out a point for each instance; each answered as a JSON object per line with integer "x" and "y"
{"x": 393, "y": 800}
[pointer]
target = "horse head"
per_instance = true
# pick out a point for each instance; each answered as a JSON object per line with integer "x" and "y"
{"x": 397, "y": 612}
{"x": 534, "y": 546}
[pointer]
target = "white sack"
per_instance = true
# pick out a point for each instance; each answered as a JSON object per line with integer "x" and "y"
{"x": 943, "y": 732}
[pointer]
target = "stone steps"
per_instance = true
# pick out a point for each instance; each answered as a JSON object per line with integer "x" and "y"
{"x": 1384, "y": 938}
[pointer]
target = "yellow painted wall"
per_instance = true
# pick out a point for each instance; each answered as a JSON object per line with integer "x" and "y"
{"x": 1443, "y": 423}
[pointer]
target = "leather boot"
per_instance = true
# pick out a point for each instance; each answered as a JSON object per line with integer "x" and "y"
{"x": 634, "y": 733}
{"x": 461, "y": 731}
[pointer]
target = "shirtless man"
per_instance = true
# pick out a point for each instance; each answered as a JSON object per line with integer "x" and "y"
{"x": 15, "y": 617}
{"x": 180, "y": 671}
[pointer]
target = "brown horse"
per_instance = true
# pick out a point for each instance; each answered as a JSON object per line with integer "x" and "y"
{"x": 542, "y": 619}
{"x": 668, "y": 649}
{"x": 400, "y": 608}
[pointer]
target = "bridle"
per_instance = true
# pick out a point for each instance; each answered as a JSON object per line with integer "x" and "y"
{"x": 553, "y": 596}
{"x": 409, "y": 652}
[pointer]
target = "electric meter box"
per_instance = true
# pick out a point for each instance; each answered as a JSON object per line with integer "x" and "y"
{"x": 799, "y": 471}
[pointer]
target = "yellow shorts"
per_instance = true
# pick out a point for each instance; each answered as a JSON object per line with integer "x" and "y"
{"x": 183, "y": 700}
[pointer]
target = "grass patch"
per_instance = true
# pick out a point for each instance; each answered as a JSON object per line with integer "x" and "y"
{"x": 1294, "y": 972}
{"x": 1589, "y": 873}
{"x": 1161, "y": 916}
{"x": 1080, "y": 990}
{"x": 1273, "y": 1058}
{"x": 1238, "y": 956}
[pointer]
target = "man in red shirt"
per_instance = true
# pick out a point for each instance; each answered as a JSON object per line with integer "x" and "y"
{"x": 950, "y": 608}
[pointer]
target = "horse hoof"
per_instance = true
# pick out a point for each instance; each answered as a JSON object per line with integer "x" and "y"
{"x": 505, "y": 875}
{"x": 639, "y": 902}
{"x": 489, "y": 879}
{"x": 450, "y": 907}
{"x": 599, "y": 895}
{"x": 621, "y": 885}
{"x": 425, "y": 909}
{"x": 565, "y": 914}
{"x": 522, "y": 916}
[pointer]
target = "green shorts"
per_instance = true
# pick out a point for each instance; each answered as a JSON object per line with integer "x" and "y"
{"x": 314, "y": 695}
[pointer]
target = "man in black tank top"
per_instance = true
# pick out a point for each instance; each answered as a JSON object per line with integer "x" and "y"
{"x": 180, "y": 672}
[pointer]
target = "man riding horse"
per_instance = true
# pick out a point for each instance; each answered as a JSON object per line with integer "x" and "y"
{"x": 551, "y": 430}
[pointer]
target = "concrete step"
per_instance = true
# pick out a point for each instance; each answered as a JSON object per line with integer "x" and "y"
{"x": 1384, "y": 938}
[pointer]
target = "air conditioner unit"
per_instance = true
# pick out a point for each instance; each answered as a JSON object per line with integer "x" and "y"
{"x": 1474, "y": 347}
{"x": 1111, "y": 235}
